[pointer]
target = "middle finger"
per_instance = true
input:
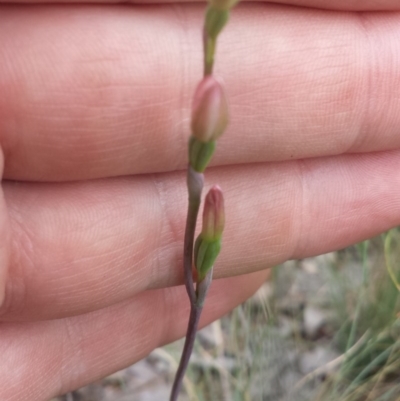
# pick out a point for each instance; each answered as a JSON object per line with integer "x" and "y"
{"x": 79, "y": 247}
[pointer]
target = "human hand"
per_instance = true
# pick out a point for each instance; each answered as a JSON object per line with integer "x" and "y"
{"x": 94, "y": 120}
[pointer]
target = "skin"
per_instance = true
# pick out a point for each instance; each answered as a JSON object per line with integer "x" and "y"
{"x": 94, "y": 119}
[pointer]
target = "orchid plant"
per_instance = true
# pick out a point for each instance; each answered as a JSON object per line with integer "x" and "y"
{"x": 209, "y": 121}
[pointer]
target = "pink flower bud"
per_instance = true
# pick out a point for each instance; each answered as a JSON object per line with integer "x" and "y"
{"x": 210, "y": 110}
{"x": 213, "y": 215}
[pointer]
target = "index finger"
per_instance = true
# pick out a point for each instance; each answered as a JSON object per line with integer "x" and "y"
{"x": 110, "y": 93}
{"x": 344, "y": 5}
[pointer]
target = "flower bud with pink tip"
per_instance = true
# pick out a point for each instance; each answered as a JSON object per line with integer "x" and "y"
{"x": 208, "y": 243}
{"x": 210, "y": 110}
{"x": 213, "y": 215}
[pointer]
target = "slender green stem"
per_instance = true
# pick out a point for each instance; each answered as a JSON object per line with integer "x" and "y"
{"x": 203, "y": 287}
{"x": 209, "y": 51}
{"x": 195, "y": 183}
{"x": 195, "y": 313}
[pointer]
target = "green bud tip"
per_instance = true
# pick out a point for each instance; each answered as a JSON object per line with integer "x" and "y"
{"x": 209, "y": 111}
{"x": 215, "y": 21}
{"x": 213, "y": 215}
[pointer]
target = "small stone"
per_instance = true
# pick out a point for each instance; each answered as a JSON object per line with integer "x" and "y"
{"x": 313, "y": 320}
{"x": 309, "y": 265}
{"x": 319, "y": 356}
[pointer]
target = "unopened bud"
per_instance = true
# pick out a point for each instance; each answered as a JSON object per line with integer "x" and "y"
{"x": 213, "y": 215}
{"x": 205, "y": 254}
{"x": 210, "y": 110}
{"x": 208, "y": 243}
{"x": 222, "y": 4}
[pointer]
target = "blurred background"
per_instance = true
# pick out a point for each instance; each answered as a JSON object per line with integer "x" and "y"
{"x": 323, "y": 328}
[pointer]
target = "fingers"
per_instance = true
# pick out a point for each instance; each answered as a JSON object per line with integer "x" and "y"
{"x": 56, "y": 356}
{"x": 4, "y": 238}
{"x": 111, "y": 94}
{"x": 78, "y": 247}
{"x": 348, "y": 5}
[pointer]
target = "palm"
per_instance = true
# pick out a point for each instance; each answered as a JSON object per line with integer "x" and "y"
{"x": 93, "y": 123}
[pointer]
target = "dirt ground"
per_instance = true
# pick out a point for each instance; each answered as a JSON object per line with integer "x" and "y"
{"x": 299, "y": 321}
